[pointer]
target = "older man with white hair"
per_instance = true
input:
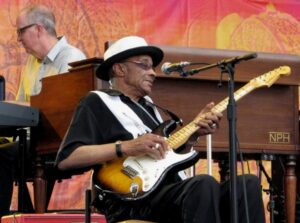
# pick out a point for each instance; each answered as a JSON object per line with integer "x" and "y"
{"x": 47, "y": 55}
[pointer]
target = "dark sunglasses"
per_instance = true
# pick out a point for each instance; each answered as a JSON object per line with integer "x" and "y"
{"x": 144, "y": 66}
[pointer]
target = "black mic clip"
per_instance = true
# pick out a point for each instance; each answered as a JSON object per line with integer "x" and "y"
{"x": 182, "y": 73}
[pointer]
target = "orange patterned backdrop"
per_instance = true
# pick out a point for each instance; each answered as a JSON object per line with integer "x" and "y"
{"x": 255, "y": 25}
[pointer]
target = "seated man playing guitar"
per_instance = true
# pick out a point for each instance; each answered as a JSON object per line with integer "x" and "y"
{"x": 136, "y": 169}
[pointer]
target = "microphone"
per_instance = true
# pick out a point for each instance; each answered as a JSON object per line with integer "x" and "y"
{"x": 168, "y": 67}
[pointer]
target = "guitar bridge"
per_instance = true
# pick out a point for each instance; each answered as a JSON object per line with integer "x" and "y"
{"x": 129, "y": 171}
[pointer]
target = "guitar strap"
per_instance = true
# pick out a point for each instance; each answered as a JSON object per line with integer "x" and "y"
{"x": 125, "y": 115}
{"x": 148, "y": 99}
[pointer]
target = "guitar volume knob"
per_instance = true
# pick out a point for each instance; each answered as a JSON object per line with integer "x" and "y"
{"x": 134, "y": 189}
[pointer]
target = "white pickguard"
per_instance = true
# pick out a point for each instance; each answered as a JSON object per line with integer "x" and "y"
{"x": 150, "y": 170}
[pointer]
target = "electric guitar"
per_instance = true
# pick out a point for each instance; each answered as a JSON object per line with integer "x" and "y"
{"x": 134, "y": 178}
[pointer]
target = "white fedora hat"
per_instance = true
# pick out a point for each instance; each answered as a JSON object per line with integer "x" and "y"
{"x": 127, "y": 47}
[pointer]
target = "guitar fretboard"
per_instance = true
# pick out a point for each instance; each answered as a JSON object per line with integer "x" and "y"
{"x": 220, "y": 107}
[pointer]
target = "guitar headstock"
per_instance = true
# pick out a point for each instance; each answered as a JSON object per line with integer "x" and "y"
{"x": 271, "y": 77}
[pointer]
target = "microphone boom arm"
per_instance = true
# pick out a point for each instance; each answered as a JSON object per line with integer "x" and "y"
{"x": 233, "y": 61}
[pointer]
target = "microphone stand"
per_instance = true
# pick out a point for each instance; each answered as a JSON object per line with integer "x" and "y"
{"x": 227, "y": 66}
{"x": 231, "y": 117}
